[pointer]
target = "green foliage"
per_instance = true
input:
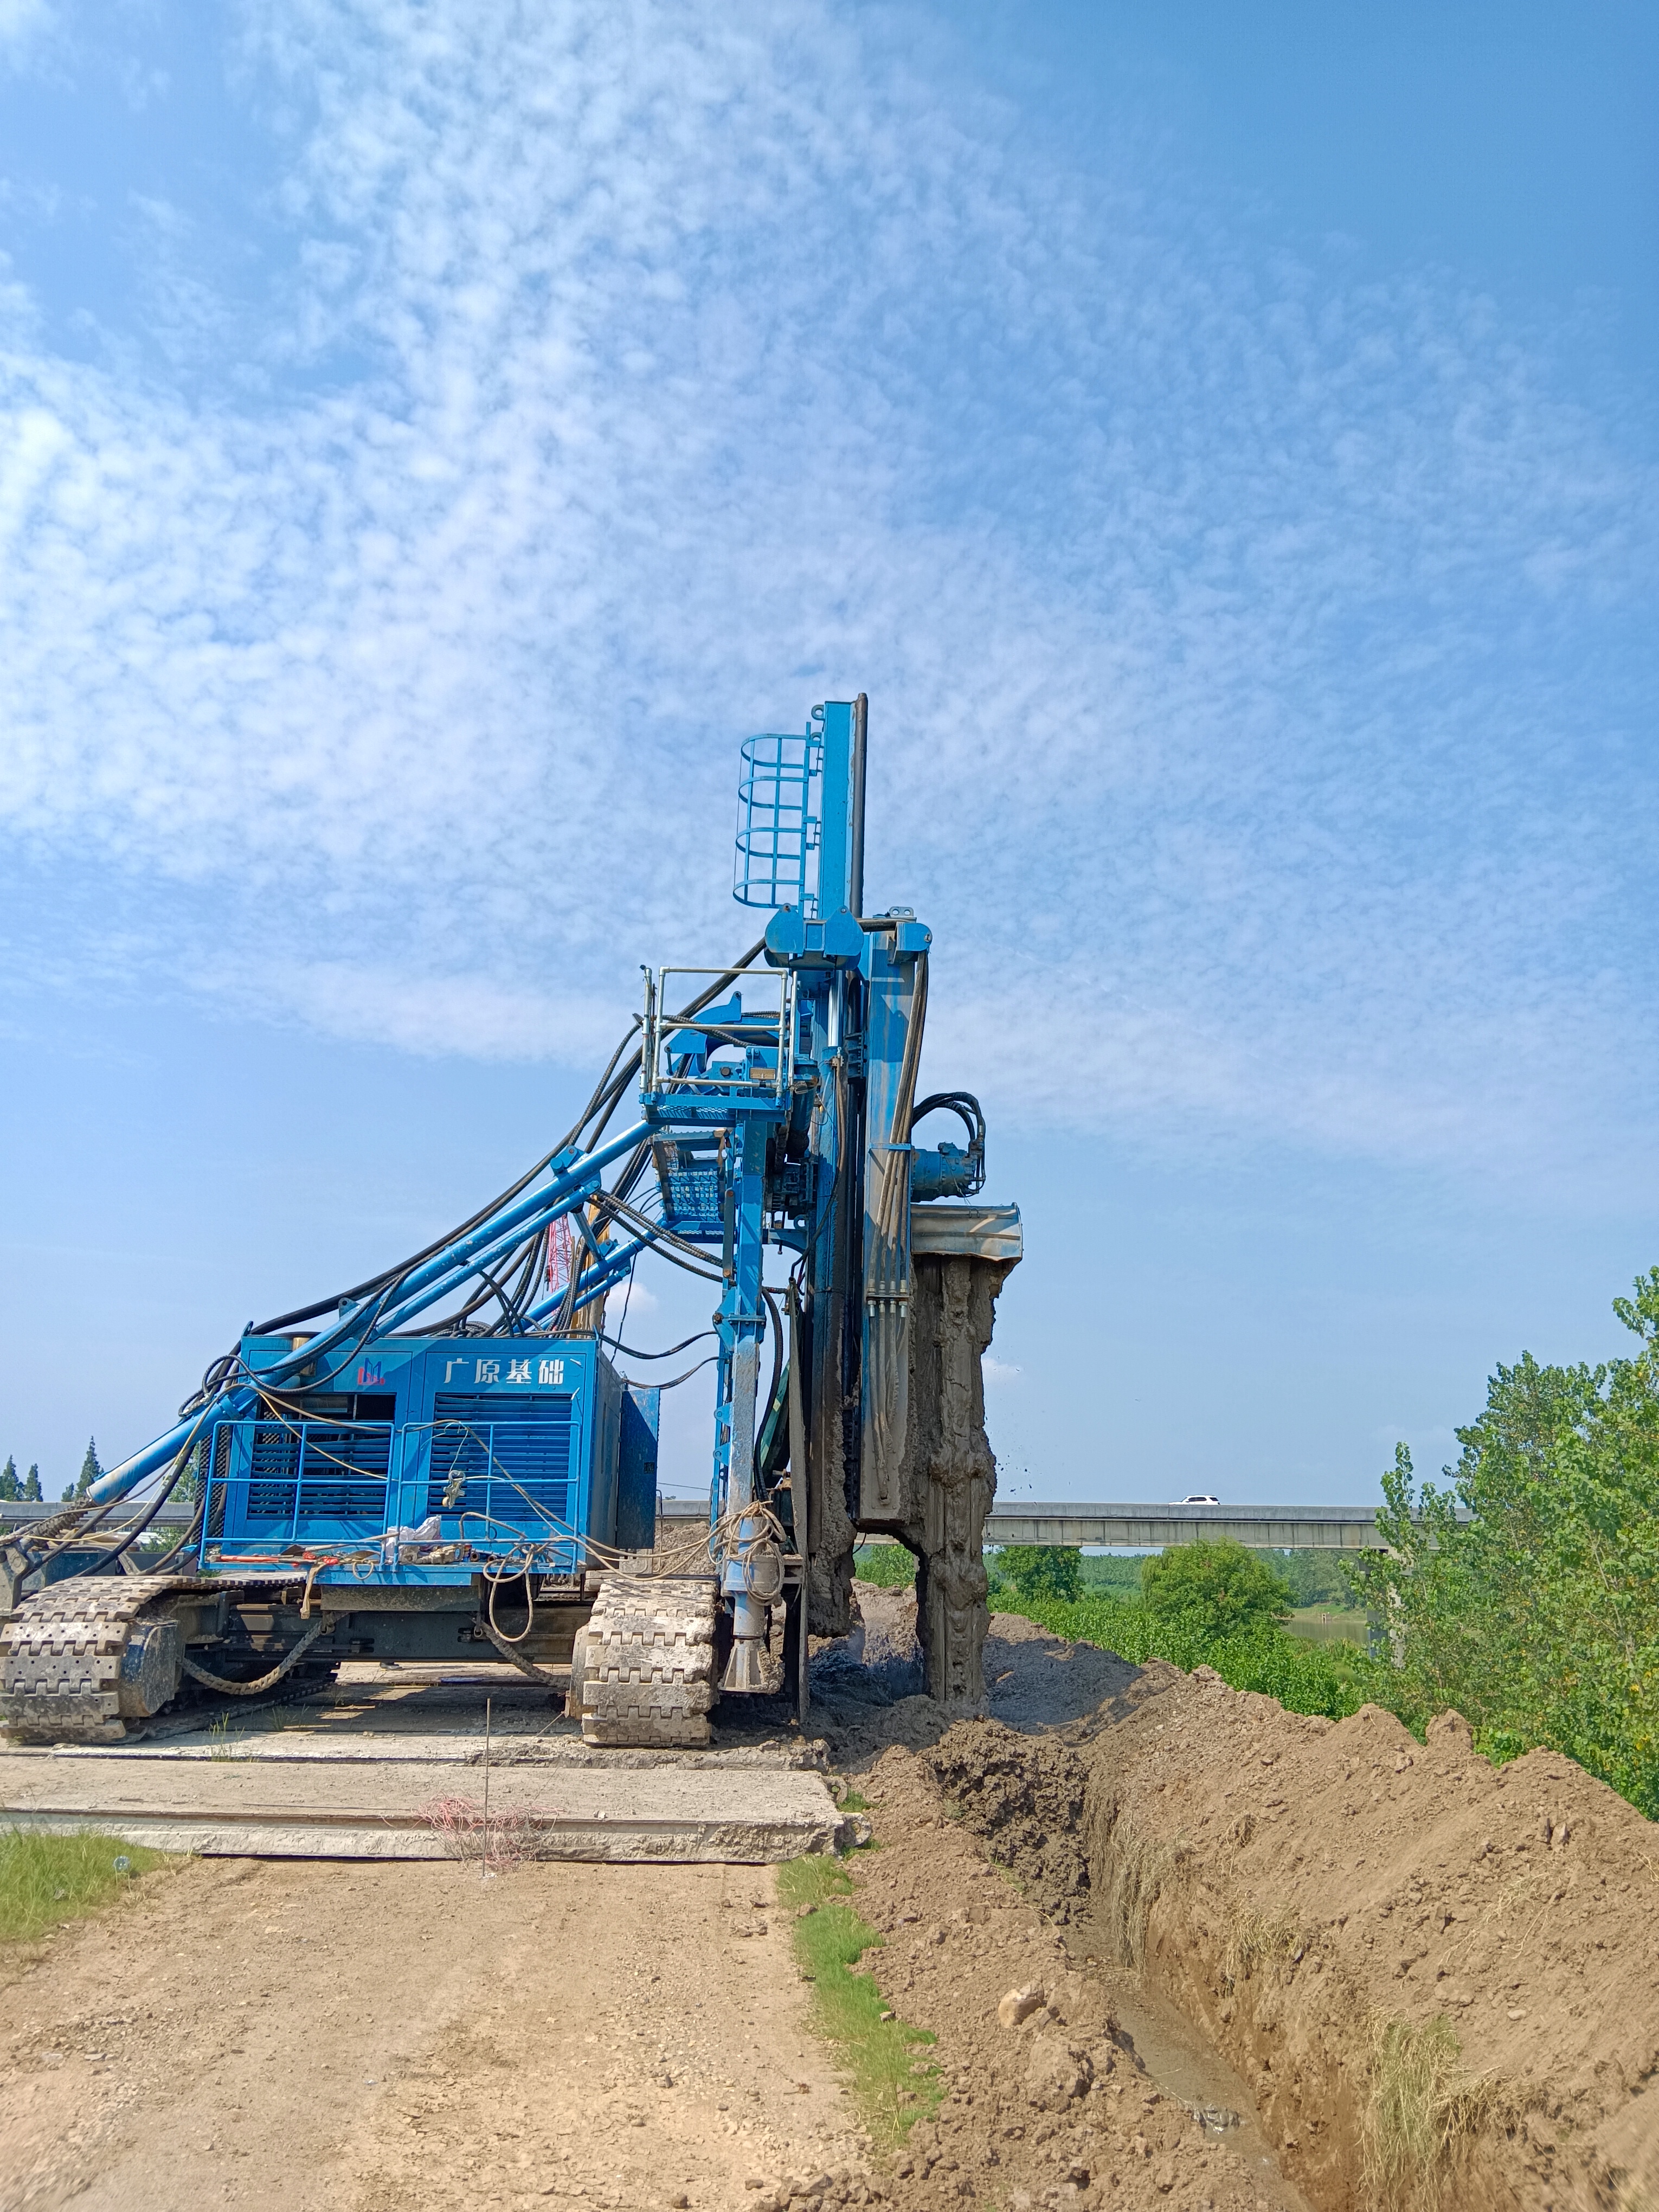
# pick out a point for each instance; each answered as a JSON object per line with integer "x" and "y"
{"x": 1313, "y": 1577}
{"x": 190, "y": 1482}
{"x": 1112, "y": 1575}
{"x": 32, "y": 1487}
{"x": 1332, "y": 1679}
{"x": 1210, "y": 1590}
{"x": 889, "y": 1566}
{"x": 90, "y": 1470}
{"x": 46, "y": 1879}
{"x": 1046, "y": 1572}
{"x": 1538, "y": 1618}
{"x": 894, "y": 2087}
{"x": 9, "y": 1485}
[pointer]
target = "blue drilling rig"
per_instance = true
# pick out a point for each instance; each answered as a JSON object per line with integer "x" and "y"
{"x": 445, "y": 1461}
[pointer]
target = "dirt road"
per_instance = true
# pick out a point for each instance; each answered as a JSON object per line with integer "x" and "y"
{"x": 298, "y": 2035}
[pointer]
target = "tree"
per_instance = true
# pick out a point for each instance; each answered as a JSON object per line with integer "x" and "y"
{"x": 1315, "y": 1577}
{"x": 9, "y": 1485}
{"x": 32, "y": 1487}
{"x": 1212, "y": 1589}
{"x": 90, "y": 1470}
{"x": 1038, "y": 1572}
{"x": 1537, "y": 1615}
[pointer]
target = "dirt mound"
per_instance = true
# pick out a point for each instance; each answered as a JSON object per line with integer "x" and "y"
{"x": 1034, "y": 1680}
{"x": 1438, "y": 1981}
{"x": 867, "y": 1687}
{"x": 1025, "y": 1799}
{"x": 1334, "y": 1904}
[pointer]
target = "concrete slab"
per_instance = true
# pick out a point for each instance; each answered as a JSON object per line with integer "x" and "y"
{"x": 303, "y": 1746}
{"x": 406, "y": 1809}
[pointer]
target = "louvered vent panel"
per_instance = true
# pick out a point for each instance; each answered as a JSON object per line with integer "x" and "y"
{"x": 504, "y": 1453}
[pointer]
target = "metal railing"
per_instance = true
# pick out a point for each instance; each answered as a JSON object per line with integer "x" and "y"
{"x": 495, "y": 1483}
{"x": 756, "y": 1027}
{"x": 776, "y": 828}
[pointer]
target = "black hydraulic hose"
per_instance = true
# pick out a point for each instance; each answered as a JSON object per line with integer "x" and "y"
{"x": 84, "y": 1527}
{"x": 185, "y": 1543}
{"x": 963, "y": 1105}
{"x": 606, "y": 1092}
{"x": 670, "y": 1246}
{"x": 534, "y": 1249}
{"x": 645, "y": 1382}
{"x": 78, "y": 1521}
{"x": 503, "y": 1298}
{"x": 777, "y": 1344}
{"x": 392, "y": 1274}
{"x": 616, "y": 1344}
{"x": 130, "y": 1536}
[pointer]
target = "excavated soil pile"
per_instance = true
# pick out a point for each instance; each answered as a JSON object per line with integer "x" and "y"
{"x": 1026, "y": 1800}
{"x": 867, "y": 1687}
{"x": 1439, "y": 1980}
{"x": 1304, "y": 1889}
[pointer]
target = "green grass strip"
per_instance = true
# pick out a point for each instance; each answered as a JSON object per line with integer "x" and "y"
{"x": 894, "y": 2087}
{"x": 45, "y": 1880}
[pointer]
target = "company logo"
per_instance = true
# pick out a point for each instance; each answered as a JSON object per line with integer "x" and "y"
{"x": 485, "y": 1372}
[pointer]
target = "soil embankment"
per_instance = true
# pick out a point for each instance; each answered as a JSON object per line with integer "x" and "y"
{"x": 1438, "y": 1982}
{"x": 1317, "y": 1895}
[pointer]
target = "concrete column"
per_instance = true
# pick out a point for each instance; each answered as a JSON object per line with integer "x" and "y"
{"x": 960, "y": 1258}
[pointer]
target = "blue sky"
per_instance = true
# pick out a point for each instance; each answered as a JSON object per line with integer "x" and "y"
{"x": 1222, "y": 444}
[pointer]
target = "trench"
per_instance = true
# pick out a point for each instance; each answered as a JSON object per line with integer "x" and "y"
{"x": 1033, "y": 1806}
{"x": 1179, "y": 2060}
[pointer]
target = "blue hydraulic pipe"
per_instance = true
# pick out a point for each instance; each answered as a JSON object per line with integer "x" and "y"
{"x": 121, "y": 1481}
{"x": 570, "y": 1184}
{"x": 404, "y": 1311}
{"x": 362, "y": 1325}
{"x": 618, "y": 1261}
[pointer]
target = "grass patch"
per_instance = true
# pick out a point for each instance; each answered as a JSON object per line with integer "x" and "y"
{"x": 228, "y": 1732}
{"x": 1423, "y": 2114}
{"x": 45, "y": 1880}
{"x": 894, "y": 2087}
{"x": 889, "y": 1566}
{"x": 1138, "y": 1867}
{"x": 1254, "y": 1939}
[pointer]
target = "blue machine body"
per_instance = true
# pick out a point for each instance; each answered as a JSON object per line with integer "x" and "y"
{"x": 422, "y": 1446}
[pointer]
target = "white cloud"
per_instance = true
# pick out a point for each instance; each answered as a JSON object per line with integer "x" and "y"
{"x": 23, "y": 22}
{"x": 1255, "y": 657}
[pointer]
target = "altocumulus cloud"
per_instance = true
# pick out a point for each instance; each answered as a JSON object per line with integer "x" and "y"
{"x": 1257, "y": 655}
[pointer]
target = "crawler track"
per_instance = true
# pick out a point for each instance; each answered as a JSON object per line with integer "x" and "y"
{"x": 647, "y": 1670}
{"x": 67, "y": 1652}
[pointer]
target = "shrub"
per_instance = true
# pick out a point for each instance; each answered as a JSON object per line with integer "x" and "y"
{"x": 889, "y": 1566}
{"x": 1051, "y": 1572}
{"x": 1212, "y": 1589}
{"x": 1538, "y": 1618}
